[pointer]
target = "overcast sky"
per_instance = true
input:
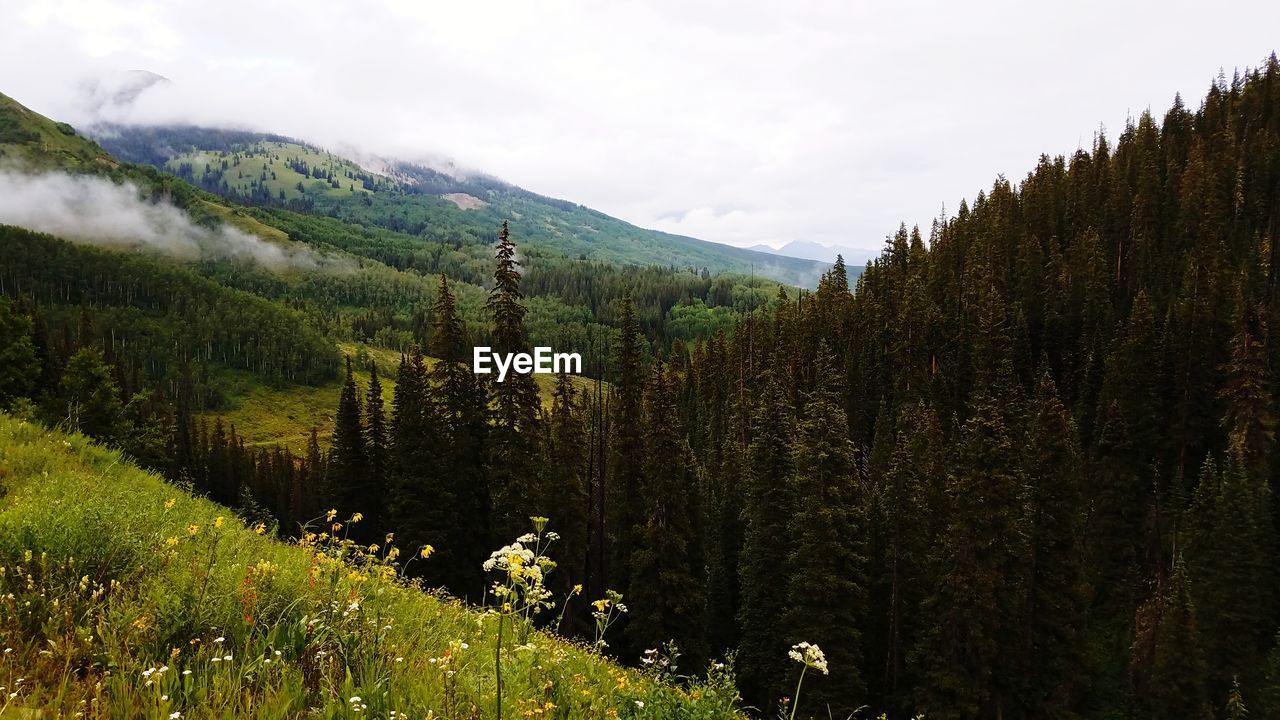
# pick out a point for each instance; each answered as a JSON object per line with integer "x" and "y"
{"x": 738, "y": 122}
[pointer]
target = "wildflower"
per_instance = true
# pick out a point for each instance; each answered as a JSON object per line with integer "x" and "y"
{"x": 329, "y": 516}
{"x": 171, "y": 541}
{"x": 193, "y": 529}
{"x": 426, "y": 551}
{"x": 168, "y": 504}
{"x": 217, "y": 522}
{"x": 260, "y": 528}
{"x": 219, "y": 639}
{"x": 810, "y": 656}
{"x": 175, "y": 715}
{"x": 356, "y": 518}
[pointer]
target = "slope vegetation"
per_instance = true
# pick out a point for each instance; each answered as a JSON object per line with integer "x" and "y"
{"x": 125, "y": 597}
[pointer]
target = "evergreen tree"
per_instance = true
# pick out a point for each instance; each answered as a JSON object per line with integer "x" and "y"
{"x": 90, "y": 396}
{"x": 19, "y": 364}
{"x": 1055, "y": 601}
{"x": 768, "y": 505}
{"x": 376, "y": 443}
{"x": 516, "y": 405}
{"x": 667, "y": 597}
{"x": 825, "y": 598}
{"x": 627, "y": 452}
{"x": 1178, "y": 674}
{"x": 347, "y": 480}
{"x": 462, "y": 411}
{"x": 968, "y": 653}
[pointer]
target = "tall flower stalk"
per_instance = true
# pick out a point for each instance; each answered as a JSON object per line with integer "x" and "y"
{"x": 809, "y": 656}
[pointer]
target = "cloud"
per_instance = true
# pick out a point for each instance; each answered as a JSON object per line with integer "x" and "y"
{"x": 824, "y": 121}
{"x": 96, "y": 211}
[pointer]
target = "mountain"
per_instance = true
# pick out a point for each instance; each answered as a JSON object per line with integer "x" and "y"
{"x": 810, "y": 250}
{"x": 438, "y": 203}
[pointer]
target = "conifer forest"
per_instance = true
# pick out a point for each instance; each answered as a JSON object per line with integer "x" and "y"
{"x": 1022, "y": 464}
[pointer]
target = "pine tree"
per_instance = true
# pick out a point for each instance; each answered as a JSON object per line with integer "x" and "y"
{"x": 91, "y": 397}
{"x": 562, "y": 494}
{"x": 667, "y": 597}
{"x": 769, "y": 503}
{"x": 1250, "y": 420}
{"x": 516, "y": 404}
{"x": 1228, "y": 551}
{"x": 1178, "y": 673}
{"x": 422, "y": 507}
{"x": 1055, "y": 602}
{"x": 376, "y": 442}
{"x": 19, "y": 364}
{"x": 968, "y": 651}
{"x": 825, "y": 599}
{"x": 910, "y": 501}
{"x": 462, "y": 410}
{"x": 347, "y": 480}
{"x": 627, "y": 453}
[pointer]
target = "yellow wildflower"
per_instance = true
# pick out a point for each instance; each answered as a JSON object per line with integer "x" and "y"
{"x": 260, "y": 528}
{"x": 193, "y": 529}
{"x": 168, "y": 504}
{"x": 357, "y": 517}
{"x": 426, "y": 551}
{"x": 217, "y": 522}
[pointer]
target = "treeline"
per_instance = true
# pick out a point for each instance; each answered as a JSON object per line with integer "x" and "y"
{"x": 155, "y": 314}
{"x": 1024, "y": 469}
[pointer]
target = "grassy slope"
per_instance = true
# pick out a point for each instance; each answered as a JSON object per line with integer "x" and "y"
{"x": 553, "y": 226}
{"x": 109, "y": 580}
{"x": 273, "y": 156}
{"x": 34, "y": 141}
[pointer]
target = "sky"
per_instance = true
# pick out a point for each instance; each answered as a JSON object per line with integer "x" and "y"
{"x": 737, "y": 122}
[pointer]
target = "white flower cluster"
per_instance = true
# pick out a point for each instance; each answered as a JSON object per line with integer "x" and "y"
{"x": 524, "y": 572}
{"x": 809, "y": 655}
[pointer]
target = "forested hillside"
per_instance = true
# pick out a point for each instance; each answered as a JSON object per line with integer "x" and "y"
{"x": 452, "y": 207}
{"x": 1024, "y": 467}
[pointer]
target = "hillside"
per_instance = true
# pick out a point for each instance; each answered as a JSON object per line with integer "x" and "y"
{"x": 127, "y": 597}
{"x": 424, "y": 202}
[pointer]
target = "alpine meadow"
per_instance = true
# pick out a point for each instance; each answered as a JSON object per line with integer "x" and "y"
{"x": 297, "y": 429}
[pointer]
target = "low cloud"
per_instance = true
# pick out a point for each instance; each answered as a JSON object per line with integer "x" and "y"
{"x": 96, "y": 211}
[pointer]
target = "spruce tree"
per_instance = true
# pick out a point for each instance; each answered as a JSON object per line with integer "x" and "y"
{"x": 968, "y": 652}
{"x": 1178, "y": 689}
{"x": 516, "y": 405}
{"x": 768, "y": 506}
{"x": 90, "y": 396}
{"x": 826, "y": 600}
{"x": 666, "y": 596}
{"x": 1055, "y": 601}
{"x": 463, "y": 415}
{"x": 376, "y": 448}
{"x": 19, "y": 364}
{"x": 627, "y": 453}
{"x": 347, "y": 480}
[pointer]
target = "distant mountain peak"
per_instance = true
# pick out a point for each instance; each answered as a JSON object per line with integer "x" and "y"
{"x": 111, "y": 95}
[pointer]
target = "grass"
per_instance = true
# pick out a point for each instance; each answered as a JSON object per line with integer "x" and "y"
{"x": 266, "y": 415}
{"x": 124, "y": 597}
{"x": 34, "y": 142}
{"x": 273, "y": 157}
